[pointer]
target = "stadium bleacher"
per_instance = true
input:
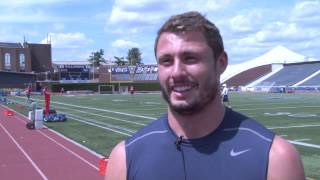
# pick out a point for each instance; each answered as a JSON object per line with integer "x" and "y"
{"x": 292, "y": 74}
{"x": 314, "y": 81}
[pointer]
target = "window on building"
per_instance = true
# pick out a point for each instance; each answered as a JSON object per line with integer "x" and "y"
{"x": 22, "y": 62}
{"x": 7, "y": 61}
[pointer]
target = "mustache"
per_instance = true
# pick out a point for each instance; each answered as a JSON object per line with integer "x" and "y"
{"x": 187, "y": 80}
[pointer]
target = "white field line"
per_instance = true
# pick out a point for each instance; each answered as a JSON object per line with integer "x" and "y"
{"x": 250, "y": 109}
{"x": 24, "y": 153}
{"x": 144, "y": 108}
{"x": 70, "y": 151}
{"x": 68, "y": 139}
{"x": 77, "y": 144}
{"x": 103, "y": 127}
{"x": 267, "y": 104}
{"x": 305, "y": 144}
{"x": 110, "y": 129}
{"x": 97, "y": 122}
{"x": 104, "y": 110}
{"x": 293, "y": 142}
{"x": 297, "y": 142}
{"x": 300, "y": 140}
{"x": 299, "y": 126}
{"x": 65, "y": 148}
{"x": 101, "y": 123}
{"x": 117, "y": 119}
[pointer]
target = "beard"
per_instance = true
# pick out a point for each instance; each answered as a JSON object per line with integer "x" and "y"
{"x": 203, "y": 96}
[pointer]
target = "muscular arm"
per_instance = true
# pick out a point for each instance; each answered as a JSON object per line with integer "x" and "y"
{"x": 284, "y": 161}
{"x": 116, "y": 169}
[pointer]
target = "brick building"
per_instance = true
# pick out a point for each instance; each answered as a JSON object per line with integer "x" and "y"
{"x": 23, "y": 63}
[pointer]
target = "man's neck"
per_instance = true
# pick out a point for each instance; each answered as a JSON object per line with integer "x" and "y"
{"x": 199, "y": 124}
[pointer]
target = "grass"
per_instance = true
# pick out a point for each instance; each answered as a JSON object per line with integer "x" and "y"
{"x": 101, "y": 121}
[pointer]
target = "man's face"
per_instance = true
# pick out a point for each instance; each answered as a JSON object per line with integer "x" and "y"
{"x": 188, "y": 74}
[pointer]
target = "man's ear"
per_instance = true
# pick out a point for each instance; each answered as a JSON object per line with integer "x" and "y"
{"x": 222, "y": 62}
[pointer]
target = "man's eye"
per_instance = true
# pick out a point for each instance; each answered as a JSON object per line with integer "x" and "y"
{"x": 165, "y": 62}
{"x": 190, "y": 59}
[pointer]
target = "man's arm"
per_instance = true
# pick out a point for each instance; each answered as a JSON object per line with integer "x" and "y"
{"x": 284, "y": 161}
{"x": 116, "y": 169}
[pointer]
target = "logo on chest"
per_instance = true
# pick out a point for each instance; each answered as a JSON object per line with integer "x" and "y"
{"x": 234, "y": 153}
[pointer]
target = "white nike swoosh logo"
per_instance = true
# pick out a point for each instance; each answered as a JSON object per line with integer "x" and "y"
{"x": 234, "y": 154}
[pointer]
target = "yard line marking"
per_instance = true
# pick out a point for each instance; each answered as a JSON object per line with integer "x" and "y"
{"x": 105, "y": 110}
{"x": 266, "y": 104}
{"x": 102, "y": 124}
{"x": 293, "y": 142}
{"x": 300, "y": 140}
{"x": 70, "y": 151}
{"x": 24, "y": 153}
{"x": 299, "y": 126}
{"x": 305, "y": 144}
{"x": 307, "y": 178}
{"x": 118, "y": 119}
{"x": 277, "y": 108}
{"x": 92, "y": 124}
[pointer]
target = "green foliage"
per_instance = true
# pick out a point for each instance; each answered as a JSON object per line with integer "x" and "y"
{"x": 134, "y": 56}
{"x": 120, "y": 61}
{"x": 96, "y": 58}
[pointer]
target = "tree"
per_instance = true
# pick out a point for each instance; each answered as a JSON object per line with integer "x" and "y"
{"x": 134, "y": 56}
{"x": 96, "y": 58}
{"x": 120, "y": 61}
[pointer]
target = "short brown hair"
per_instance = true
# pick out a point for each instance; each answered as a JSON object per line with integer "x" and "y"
{"x": 193, "y": 21}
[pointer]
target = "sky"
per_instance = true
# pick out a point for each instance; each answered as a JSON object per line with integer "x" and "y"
{"x": 76, "y": 28}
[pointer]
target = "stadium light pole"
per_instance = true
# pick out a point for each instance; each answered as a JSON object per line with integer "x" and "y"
{"x": 93, "y": 71}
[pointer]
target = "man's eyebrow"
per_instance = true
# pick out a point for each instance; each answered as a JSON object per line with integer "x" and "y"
{"x": 190, "y": 53}
{"x": 164, "y": 56}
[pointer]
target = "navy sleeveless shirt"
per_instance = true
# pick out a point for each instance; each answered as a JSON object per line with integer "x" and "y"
{"x": 237, "y": 149}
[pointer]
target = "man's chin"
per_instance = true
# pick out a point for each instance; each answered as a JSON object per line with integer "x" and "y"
{"x": 183, "y": 108}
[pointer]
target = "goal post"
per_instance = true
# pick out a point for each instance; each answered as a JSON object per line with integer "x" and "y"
{"x": 123, "y": 90}
{"x": 105, "y": 89}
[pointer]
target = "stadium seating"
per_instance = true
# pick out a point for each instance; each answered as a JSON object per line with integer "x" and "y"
{"x": 292, "y": 74}
{"x": 314, "y": 81}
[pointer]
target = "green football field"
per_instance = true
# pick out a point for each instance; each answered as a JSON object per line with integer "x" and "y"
{"x": 100, "y": 121}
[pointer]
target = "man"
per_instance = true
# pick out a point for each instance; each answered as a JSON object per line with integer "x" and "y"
{"x": 28, "y": 92}
{"x": 199, "y": 138}
{"x": 61, "y": 90}
{"x": 225, "y": 96}
{"x": 131, "y": 89}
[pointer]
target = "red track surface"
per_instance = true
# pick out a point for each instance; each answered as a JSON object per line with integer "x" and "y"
{"x": 41, "y": 154}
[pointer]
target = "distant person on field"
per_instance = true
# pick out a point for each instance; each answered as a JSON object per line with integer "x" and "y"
{"x": 28, "y": 92}
{"x": 199, "y": 138}
{"x": 61, "y": 90}
{"x": 225, "y": 95}
{"x": 131, "y": 89}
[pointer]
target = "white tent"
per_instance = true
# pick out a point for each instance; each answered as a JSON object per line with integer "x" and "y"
{"x": 276, "y": 55}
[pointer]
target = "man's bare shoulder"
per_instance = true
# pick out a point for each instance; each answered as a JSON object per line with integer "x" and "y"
{"x": 116, "y": 169}
{"x": 284, "y": 161}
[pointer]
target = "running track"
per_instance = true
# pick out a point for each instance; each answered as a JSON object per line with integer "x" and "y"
{"x": 41, "y": 154}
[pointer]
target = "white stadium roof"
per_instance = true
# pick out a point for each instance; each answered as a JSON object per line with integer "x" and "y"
{"x": 276, "y": 55}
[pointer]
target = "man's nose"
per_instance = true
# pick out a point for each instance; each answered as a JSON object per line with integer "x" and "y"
{"x": 178, "y": 70}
